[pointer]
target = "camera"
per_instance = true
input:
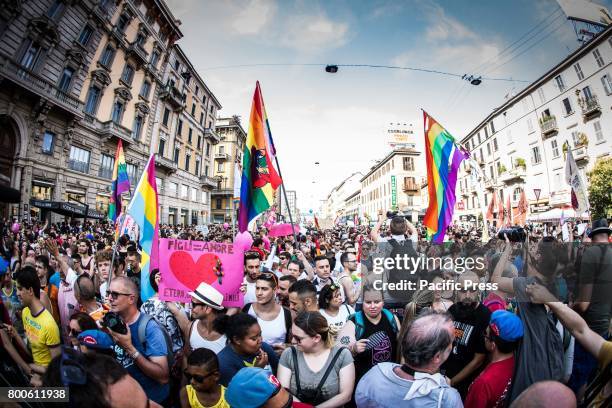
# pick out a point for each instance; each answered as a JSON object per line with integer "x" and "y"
{"x": 514, "y": 234}
{"x": 393, "y": 214}
{"x": 114, "y": 322}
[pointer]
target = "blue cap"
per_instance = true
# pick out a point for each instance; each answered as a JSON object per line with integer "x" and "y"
{"x": 89, "y": 237}
{"x": 506, "y": 325}
{"x": 4, "y": 264}
{"x": 95, "y": 339}
{"x": 251, "y": 387}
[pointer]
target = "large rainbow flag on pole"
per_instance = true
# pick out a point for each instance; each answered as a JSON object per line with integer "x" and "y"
{"x": 443, "y": 158}
{"x": 120, "y": 183}
{"x": 260, "y": 177}
{"x": 144, "y": 210}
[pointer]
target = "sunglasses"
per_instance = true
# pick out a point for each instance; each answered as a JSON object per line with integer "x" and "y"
{"x": 75, "y": 333}
{"x": 115, "y": 295}
{"x": 196, "y": 304}
{"x": 197, "y": 378}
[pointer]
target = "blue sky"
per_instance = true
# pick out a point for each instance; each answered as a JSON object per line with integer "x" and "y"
{"x": 340, "y": 120}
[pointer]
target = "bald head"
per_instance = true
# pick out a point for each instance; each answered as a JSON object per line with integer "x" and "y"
{"x": 427, "y": 336}
{"x": 546, "y": 394}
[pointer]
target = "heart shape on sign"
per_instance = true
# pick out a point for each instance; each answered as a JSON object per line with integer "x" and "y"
{"x": 190, "y": 273}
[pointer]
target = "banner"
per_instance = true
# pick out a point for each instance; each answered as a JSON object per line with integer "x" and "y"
{"x": 185, "y": 264}
{"x": 393, "y": 192}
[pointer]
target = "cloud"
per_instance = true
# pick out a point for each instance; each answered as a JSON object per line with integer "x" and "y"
{"x": 308, "y": 33}
{"x": 254, "y": 17}
{"x": 444, "y": 27}
{"x": 386, "y": 9}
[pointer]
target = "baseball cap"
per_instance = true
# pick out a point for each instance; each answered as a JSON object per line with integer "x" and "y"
{"x": 506, "y": 325}
{"x": 96, "y": 339}
{"x": 251, "y": 387}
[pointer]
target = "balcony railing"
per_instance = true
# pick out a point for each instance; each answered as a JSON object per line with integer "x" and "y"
{"x": 207, "y": 181}
{"x": 410, "y": 187}
{"x": 223, "y": 189}
{"x": 110, "y": 130}
{"x": 80, "y": 166}
{"x": 175, "y": 97}
{"x": 548, "y": 126}
{"x": 221, "y": 156}
{"x": 516, "y": 173}
{"x": 212, "y": 134}
{"x": 13, "y": 71}
{"x": 164, "y": 163}
{"x": 590, "y": 106}
{"x": 139, "y": 53}
{"x": 580, "y": 153}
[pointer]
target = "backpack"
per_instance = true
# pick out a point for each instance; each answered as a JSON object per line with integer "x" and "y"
{"x": 288, "y": 320}
{"x": 142, "y": 327}
{"x": 358, "y": 317}
{"x": 398, "y": 275}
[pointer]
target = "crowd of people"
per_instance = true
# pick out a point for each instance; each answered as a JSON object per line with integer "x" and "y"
{"x": 526, "y": 323}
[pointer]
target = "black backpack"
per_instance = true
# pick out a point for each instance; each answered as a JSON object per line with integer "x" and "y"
{"x": 400, "y": 275}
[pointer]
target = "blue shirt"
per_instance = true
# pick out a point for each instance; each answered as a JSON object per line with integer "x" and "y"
{"x": 155, "y": 347}
{"x": 231, "y": 362}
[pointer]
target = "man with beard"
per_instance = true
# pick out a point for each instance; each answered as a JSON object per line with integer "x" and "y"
{"x": 252, "y": 270}
{"x": 282, "y": 295}
{"x": 471, "y": 319}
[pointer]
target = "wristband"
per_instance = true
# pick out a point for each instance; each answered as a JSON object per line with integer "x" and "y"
{"x": 135, "y": 355}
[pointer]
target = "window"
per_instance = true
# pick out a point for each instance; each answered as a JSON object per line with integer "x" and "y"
{"x": 132, "y": 172}
{"x": 47, "y": 144}
{"x": 177, "y": 65}
{"x": 491, "y": 172}
{"x": 598, "y": 132}
{"x": 140, "y": 40}
{"x": 408, "y": 163}
{"x": 190, "y": 135}
{"x": 204, "y": 197}
{"x": 201, "y": 117}
{"x": 486, "y": 133}
{"x": 93, "y": 98}
{"x": 221, "y": 149}
{"x": 30, "y": 57}
{"x": 495, "y": 144}
{"x": 555, "y": 148}
{"x": 187, "y": 159}
{"x": 218, "y": 204}
{"x": 65, "y": 79}
{"x": 128, "y": 74}
{"x": 137, "y": 127}
{"x": 492, "y": 128}
{"x": 194, "y": 194}
{"x": 488, "y": 149}
{"x": 541, "y": 95}
{"x": 560, "y": 83}
{"x": 177, "y": 152}
{"x": 479, "y": 141}
{"x": 117, "y": 114}
{"x": 184, "y": 190}
{"x": 567, "y": 106}
{"x": 159, "y": 183}
{"x": 166, "y": 117}
{"x": 197, "y": 167}
{"x": 575, "y": 138}
{"x": 154, "y": 59}
{"x": 85, "y": 35}
{"x": 107, "y": 164}
{"x": 579, "y": 73}
{"x": 607, "y": 84}
{"x": 586, "y": 91}
{"x": 122, "y": 23}
{"x": 179, "y": 127}
{"x": 220, "y": 167}
{"x": 598, "y": 59}
{"x": 161, "y": 147}
{"x": 516, "y": 194}
{"x": 108, "y": 55}
{"x": 193, "y": 106}
{"x": 204, "y": 100}
{"x": 55, "y": 9}
{"x": 530, "y": 125}
{"x": 79, "y": 159}
{"x": 207, "y": 149}
{"x": 172, "y": 188}
{"x": 199, "y": 142}
{"x": 206, "y": 171}
{"x": 145, "y": 89}
{"x": 535, "y": 155}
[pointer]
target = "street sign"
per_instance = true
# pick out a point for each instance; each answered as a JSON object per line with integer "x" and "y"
{"x": 393, "y": 192}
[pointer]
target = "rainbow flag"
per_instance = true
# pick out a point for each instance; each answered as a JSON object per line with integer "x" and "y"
{"x": 260, "y": 178}
{"x": 443, "y": 158}
{"x": 120, "y": 183}
{"x": 144, "y": 210}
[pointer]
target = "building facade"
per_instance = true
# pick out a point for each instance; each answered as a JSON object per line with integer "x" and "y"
{"x": 394, "y": 183}
{"x": 522, "y": 145}
{"x": 76, "y": 78}
{"x": 334, "y": 207}
{"x": 227, "y": 168}
{"x": 184, "y": 139}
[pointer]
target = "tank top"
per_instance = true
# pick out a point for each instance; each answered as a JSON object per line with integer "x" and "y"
{"x": 385, "y": 349}
{"x": 195, "y": 403}
{"x": 272, "y": 331}
{"x": 197, "y": 341}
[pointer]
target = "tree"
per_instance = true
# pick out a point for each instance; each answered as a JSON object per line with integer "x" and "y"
{"x": 600, "y": 194}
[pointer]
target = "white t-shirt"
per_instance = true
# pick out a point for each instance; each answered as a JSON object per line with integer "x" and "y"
{"x": 339, "y": 320}
{"x": 196, "y": 341}
{"x": 250, "y": 296}
{"x": 272, "y": 331}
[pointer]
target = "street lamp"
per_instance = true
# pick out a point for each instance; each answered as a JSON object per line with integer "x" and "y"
{"x": 331, "y": 69}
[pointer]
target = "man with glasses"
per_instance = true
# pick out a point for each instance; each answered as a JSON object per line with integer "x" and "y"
{"x": 148, "y": 362}
{"x": 471, "y": 319}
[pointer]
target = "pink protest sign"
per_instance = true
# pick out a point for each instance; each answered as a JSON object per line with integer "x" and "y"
{"x": 185, "y": 264}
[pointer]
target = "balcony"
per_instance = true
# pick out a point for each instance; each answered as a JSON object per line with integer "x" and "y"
{"x": 138, "y": 53}
{"x": 112, "y": 130}
{"x": 410, "y": 188}
{"x": 212, "y": 135}
{"x": 223, "y": 189}
{"x": 14, "y": 72}
{"x": 207, "y": 181}
{"x": 118, "y": 35}
{"x": 489, "y": 184}
{"x": 221, "y": 156}
{"x": 580, "y": 154}
{"x": 548, "y": 126}
{"x": 163, "y": 163}
{"x": 590, "y": 107}
{"x": 175, "y": 97}
{"x": 102, "y": 13}
{"x": 512, "y": 175}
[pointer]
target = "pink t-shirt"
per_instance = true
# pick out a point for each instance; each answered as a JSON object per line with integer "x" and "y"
{"x": 266, "y": 242}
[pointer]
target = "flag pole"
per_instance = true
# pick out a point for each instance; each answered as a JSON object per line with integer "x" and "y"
{"x": 284, "y": 190}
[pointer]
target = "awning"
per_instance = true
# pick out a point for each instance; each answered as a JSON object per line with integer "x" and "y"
{"x": 66, "y": 209}
{"x": 554, "y": 215}
{"x": 9, "y": 195}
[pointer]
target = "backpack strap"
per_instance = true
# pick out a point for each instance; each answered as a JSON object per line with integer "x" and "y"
{"x": 142, "y": 328}
{"x": 245, "y": 308}
{"x": 357, "y": 318}
{"x": 328, "y": 371}
{"x": 391, "y": 319}
{"x": 296, "y": 370}
{"x": 288, "y": 323}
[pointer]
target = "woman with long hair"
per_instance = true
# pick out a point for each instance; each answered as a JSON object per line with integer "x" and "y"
{"x": 315, "y": 370}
